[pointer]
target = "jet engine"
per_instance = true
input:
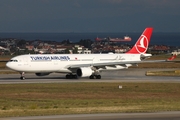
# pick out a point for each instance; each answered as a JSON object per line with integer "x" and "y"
{"x": 84, "y": 72}
{"x": 42, "y": 74}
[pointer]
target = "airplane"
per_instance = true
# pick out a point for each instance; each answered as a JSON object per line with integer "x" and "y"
{"x": 83, "y": 65}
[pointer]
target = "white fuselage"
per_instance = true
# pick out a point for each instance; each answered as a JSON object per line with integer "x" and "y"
{"x": 61, "y": 62}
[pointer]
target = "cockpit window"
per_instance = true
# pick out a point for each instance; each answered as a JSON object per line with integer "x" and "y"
{"x": 13, "y": 60}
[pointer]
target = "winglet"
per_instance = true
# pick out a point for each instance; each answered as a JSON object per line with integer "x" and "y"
{"x": 172, "y": 58}
{"x": 141, "y": 45}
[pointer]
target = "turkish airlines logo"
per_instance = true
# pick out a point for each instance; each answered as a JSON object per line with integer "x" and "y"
{"x": 142, "y": 44}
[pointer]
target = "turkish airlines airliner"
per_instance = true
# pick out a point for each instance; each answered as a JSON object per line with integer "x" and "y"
{"x": 82, "y": 65}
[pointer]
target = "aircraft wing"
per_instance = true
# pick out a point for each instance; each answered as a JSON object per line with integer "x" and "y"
{"x": 102, "y": 64}
{"x": 120, "y": 63}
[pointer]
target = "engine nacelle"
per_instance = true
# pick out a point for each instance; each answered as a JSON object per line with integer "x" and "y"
{"x": 42, "y": 74}
{"x": 84, "y": 72}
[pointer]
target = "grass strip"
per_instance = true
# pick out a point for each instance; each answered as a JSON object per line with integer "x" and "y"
{"x": 163, "y": 73}
{"x": 74, "y": 98}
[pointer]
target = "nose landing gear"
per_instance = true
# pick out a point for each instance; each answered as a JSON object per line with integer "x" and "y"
{"x": 22, "y": 76}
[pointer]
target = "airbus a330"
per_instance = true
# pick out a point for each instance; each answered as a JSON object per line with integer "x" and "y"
{"x": 82, "y": 65}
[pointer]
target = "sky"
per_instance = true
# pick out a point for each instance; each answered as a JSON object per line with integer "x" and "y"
{"x": 89, "y": 15}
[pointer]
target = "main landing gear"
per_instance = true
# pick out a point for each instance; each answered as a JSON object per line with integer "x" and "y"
{"x": 95, "y": 77}
{"x": 22, "y": 76}
{"x": 74, "y": 76}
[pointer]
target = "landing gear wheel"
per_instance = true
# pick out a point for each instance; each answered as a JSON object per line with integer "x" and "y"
{"x": 98, "y": 76}
{"x": 67, "y": 77}
{"x": 95, "y": 76}
{"x": 91, "y": 77}
{"x": 22, "y": 76}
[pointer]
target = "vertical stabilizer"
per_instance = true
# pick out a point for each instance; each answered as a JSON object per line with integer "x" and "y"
{"x": 141, "y": 45}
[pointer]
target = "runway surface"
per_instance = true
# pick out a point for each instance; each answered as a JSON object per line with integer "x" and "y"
{"x": 113, "y": 116}
{"x": 128, "y": 75}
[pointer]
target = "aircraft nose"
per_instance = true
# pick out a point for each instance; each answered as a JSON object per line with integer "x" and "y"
{"x": 8, "y": 64}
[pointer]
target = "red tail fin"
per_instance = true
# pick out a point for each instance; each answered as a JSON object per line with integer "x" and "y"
{"x": 171, "y": 58}
{"x": 141, "y": 45}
